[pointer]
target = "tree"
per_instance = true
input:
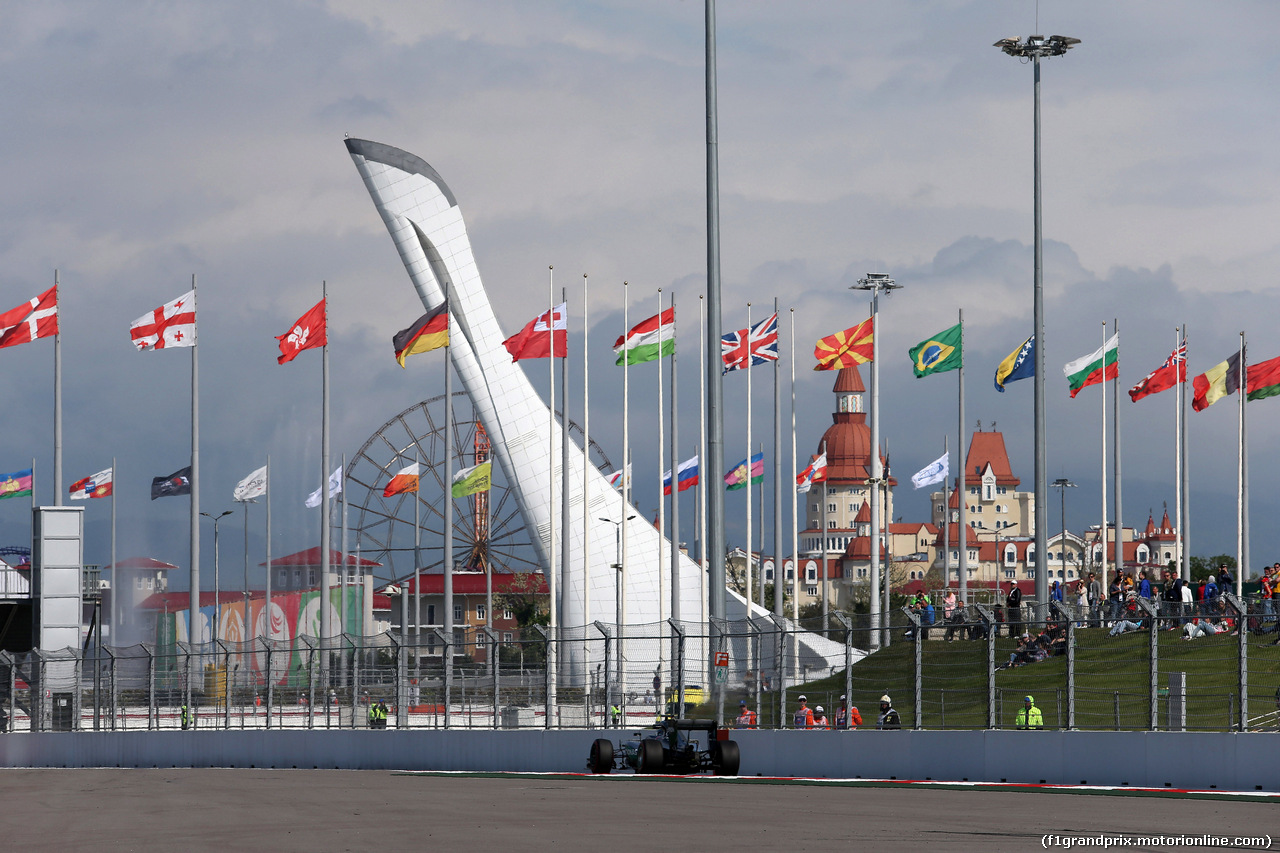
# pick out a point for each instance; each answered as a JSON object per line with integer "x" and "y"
{"x": 525, "y": 600}
{"x": 1203, "y": 567}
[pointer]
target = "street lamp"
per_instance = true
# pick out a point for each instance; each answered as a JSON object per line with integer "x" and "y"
{"x": 1033, "y": 48}
{"x": 217, "y": 603}
{"x": 617, "y": 587}
{"x": 1062, "y": 484}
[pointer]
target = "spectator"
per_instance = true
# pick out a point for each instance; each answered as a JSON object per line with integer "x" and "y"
{"x": 1225, "y": 579}
{"x": 746, "y": 716}
{"x": 1013, "y": 605}
{"x": 847, "y": 717}
{"x": 820, "y": 718}
{"x": 1209, "y": 598}
{"x": 1124, "y": 626}
{"x": 1029, "y": 716}
{"x": 1188, "y": 600}
{"x": 803, "y": 717}
{"x": 1198, "y": 628}
{"x": 1268, "y": 591}
{"x": 949, "y": 613}
{"x": 889, "y": 718}
{"x": 1144, "y": 586}
{"x": 1082, "y": 602}
{"x": 1115, "y": 597}
{"x": 1095, "y": 598}
{"x": 1055, "y": 594}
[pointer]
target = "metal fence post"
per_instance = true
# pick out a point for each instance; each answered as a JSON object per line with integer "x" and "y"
{"x": 269, "y": 680}
{"x": 678, "y": 632}
{"x": 311, "y": 685}
{"x": 1061, "y": 612}
{"x": 608, "y": 674}
{"x": 918, "y": 640}
{"x": 990, "y": 626}
{"x": 546, "y": 639}
{"x": 400, "y": 666}
{"x": 152, "y": 720}
{"x": 754, "y": 643}
{"x": 111, "y": 681}
{"x": 447, "y": 651}
{"x": 1242, "y": 663}
{"x": 781, "y": 625}
{"x": 847, "y": 625}
{"x": 495, "y": 649}
{"x": 10, "y": 663}
{"x": 1153, "y": 664}
{"x": 720, "y": 632}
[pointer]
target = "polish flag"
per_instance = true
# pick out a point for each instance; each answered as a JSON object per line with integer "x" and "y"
{"x": 173, "y": 324}
{"x": 35, "y": 318}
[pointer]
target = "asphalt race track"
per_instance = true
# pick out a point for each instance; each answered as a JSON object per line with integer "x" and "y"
{"x": 333, "y": 810}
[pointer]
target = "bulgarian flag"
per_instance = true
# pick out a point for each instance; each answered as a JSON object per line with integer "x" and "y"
{"x": 1264, "y": 379}
{"x": 1096, "y": 367}
{"x": 649, "y": 340}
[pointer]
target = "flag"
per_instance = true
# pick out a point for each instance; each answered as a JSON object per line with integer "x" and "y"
{"x": 468, "y": 481}
{"x": 847, "y": 348}
{"x": 1215, "y": 383}
{"x": 16, "y": 484}
{"x": 615, "y": 479}
{"x": 335, "y": 487}
{"x": 1096, "y": 367}
{"x": 814, "y": 472}
{"x": 935, "y": 472}
{"x": 177, "y": 483}
{"x": 405, "y": 480}
{"x": 1164, "y": 377}
{"x": 173, "y": 324}
{"x": 686, "y": 476}
{"x": 747, "y": 347}
{"x": 253, "y": 486}
{"x": 534, "y": 340}
{"x": 737, "y": 478}
{"x": 1263, "y": 379}
{"x": 1019, "y": 364}
{"x": 308, "y": 333}
{"x": 648, "y": 340}
{"x": 97, "y": 486}
{"x": 35, "y": 318}
{"x": 428, "y": 332}
{"x": 938, "y": 354}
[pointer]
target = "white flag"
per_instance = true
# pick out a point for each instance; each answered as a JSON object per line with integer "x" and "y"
{"x": 253, "y": 486}
{"x": 935, "y": 472}
{"x": 335, "y": 486}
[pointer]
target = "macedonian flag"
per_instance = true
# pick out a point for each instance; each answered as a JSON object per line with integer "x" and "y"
{"x": 845, "y": 349}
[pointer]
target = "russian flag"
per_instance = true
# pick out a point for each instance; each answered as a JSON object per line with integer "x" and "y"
{"x": 686, "y": 472}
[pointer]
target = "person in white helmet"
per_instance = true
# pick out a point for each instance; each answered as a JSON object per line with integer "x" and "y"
{"x": 889, "y": 718}
{"x": 803, "y": 718}
{"x": 820, "y": 718}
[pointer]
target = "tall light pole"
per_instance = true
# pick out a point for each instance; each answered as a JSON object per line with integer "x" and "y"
{"x": 1062, "y": 484}
{"x": 217, "y": 603}
{"x": 1033, "y": 48}
{"x": 874, "y": 282}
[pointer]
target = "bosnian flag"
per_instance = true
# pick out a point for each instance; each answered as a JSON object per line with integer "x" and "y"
{"x": 815, "y": 472}
{"x": 748, "y": 347}
{"x": 173, "y": 324}
{"x": 35, "y": 318}
{"x": 97, "y": 486}
{"x": 687, "y": 474}
{"x": 615, "y": 479}
{"x": 405, "y": 480}
{"x": 534, "y": 340}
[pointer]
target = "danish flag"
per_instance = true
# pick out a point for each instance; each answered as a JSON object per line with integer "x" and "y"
{"x": 747, "y": 347}
{"x": 173, "y": 324}
{"x": 35, "y": 318}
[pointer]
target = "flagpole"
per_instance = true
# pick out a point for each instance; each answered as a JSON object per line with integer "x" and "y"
{"x": 795, "y": 507}
{"x": 620, "y": 587}
{"x": 1104, "y": 530}
{"x": 325, "y": 627}
{"x": 553, "y": 588}
{"x": 447, "y": 556}
{"x": 1184, "y": 523}
{"x": 675, "y": 483}
{"x": 1242, "y": 536}
{"x": 586, "y": 479}
{"x": 115, "y": 574}
{"x": 750, "y": 470}
{"x": 703, "y": 465}
{"x": 662, "y": 499}
{"x": 193, "y": 615}
{"x": 417, "y": 570}
{"x": 565, "y": 569}
{"x": 342, "y": 557}
{"x": 1115, "y": 446}
{"x": 822, "y": 551}
{"x": 1179, "y": 371}
{"x": 873, "y": 474}
{"x": 267, "y": 588}
{"x": 946, "y": 516}
{"x": 779, "y": 568}
{"x": 964, "y": 552}
{"x": 57, "y": 403}
{"x": 244, "y": 505}
{"x": 760, "y": 535}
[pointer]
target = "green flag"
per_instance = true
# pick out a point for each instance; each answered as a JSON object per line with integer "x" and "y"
{"x": 468, "y": 481}
{"x": 940, "y": 353}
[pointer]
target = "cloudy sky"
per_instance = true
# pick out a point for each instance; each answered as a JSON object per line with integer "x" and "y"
{"x": 146, "y": 142}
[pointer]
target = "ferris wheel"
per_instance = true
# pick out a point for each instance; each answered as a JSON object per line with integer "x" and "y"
{"x": 488, "y": 529}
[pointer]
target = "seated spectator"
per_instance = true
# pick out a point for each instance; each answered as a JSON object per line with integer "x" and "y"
{"x": 1198, "y": 628}
{"x": 1124, "y": 626}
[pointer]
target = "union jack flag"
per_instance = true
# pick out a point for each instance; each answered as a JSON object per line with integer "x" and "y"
{"x": 748, "y": 347}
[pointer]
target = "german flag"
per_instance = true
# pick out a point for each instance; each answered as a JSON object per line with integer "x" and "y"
{"x": 430, "y": 331}
{"x": 845, "y": 349}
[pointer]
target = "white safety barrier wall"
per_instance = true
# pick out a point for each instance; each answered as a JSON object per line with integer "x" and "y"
{"x": 1224, "y": 761}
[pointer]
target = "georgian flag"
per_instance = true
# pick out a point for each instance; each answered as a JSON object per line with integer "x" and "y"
{"x": 35, "y": 318}
{"x": 173, "y": 324}
{"x": 97, "y": 486}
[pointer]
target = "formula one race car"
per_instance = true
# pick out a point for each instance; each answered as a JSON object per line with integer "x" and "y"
{"x": 669, "y": 747}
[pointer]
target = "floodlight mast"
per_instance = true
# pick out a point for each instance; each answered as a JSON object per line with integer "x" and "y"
{"x": 1033, "y": 48}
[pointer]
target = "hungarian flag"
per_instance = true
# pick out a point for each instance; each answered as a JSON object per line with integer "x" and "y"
{"x": 97, "y": 486}
{"x": 173, "y": 324}
{"x": 1164, "y": 377}
{"x": 535, "y": 339}
{"x": 1263, "y": 379}
{"x": 177, "y": 483}
{"x": 35, "y": 318}
{"x": 308, "y": 333}
{"x": 748, "y": 347}
{"x": 814, "y": 472}
{"x": 405, "y": 480}
{"x": 738, "y": 477}
{"x": 428, "y": 332}
{"x": 686, "y": 476}
{"x": 1215, "y": 383}
{"x": 468, "y": 481}
{"x": 648, "y": 340}
{"x": 1096, "y": 367}
{"x": 847, "y": 348}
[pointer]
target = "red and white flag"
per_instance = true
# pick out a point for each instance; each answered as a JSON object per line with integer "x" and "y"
{"x": 173, "y": 324}
{"x": 35, "y": 318}
{"x": 535, "y": 339}
{"x": 815, "y": 472}
{"x": 97, "y": 486}
{"x": 1164, "y": 377}
{"x": 310, "y": 331}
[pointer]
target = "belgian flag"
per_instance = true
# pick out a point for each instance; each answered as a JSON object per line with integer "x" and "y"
{"x": 430, "y": 331}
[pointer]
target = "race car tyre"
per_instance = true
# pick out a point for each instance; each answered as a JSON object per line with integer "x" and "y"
{"x": 601, "y": 760}
{"x": 726, "y": 758}
{"x": 649, "y": 757}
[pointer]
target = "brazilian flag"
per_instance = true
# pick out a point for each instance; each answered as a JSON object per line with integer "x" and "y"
{"x": 939, "y": 353}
